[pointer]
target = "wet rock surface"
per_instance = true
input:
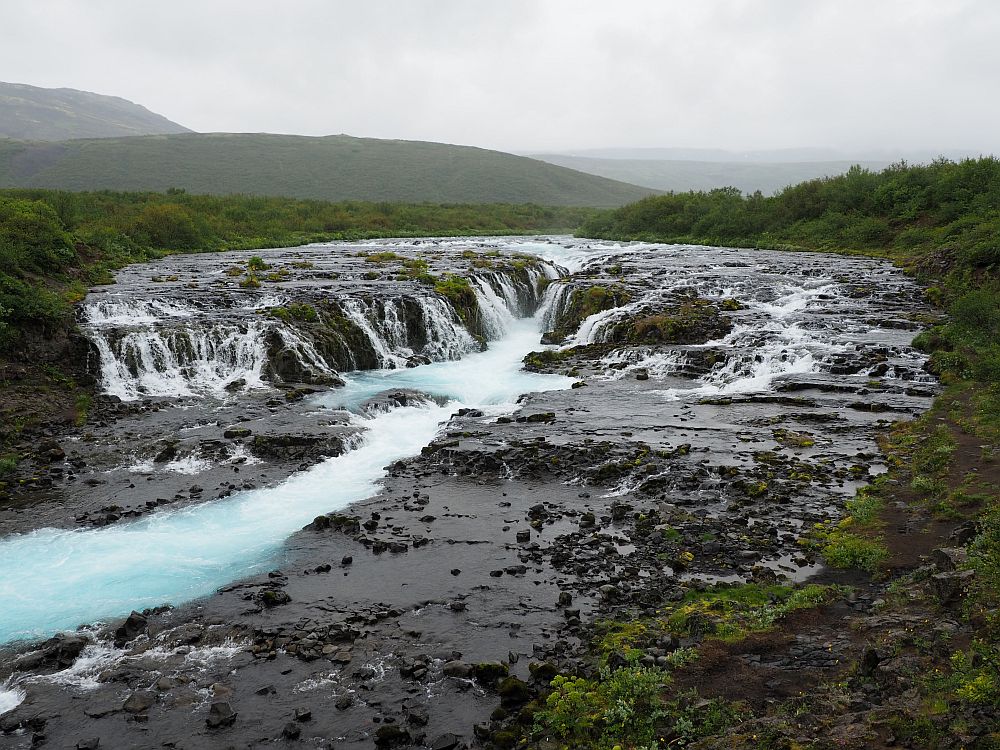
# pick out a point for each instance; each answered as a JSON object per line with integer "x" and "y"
{"x": 698, "y": 452}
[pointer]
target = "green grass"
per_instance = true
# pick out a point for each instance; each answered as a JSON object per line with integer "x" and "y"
{"x": 332, "y": 168}
{"x": 8, "y": 465}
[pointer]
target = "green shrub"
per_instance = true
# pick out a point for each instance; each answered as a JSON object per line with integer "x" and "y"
{"x": 623, "y": 707}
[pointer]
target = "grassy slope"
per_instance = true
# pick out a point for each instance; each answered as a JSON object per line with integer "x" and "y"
{"x": 683, "y": 175}
{"x": 40, "y": 114}
{"x": 330, "y": 168}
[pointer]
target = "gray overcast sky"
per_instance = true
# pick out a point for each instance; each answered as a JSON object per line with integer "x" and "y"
{"x": 536, "y": 74}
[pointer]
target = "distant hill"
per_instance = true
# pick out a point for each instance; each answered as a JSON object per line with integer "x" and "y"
{"x": 329, "y": 168}
{"x": 37, "y": 114}
{"x": 776, "y": 155}
{"x": 681, "y": 175}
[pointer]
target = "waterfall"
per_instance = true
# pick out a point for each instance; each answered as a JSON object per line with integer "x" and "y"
{"x": 447, "y": 338}
{"x": 180, "y": 361}
{"x": 212, "y": 345}
{"x": 386, "y": 340}
{"x": 154, "y": 348}
{"x": 383, "y": 323}
{"x": 495, "y": 312}
{"x": 555, "y": 300}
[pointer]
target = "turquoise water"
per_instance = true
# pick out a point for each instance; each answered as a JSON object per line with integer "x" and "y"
{"x": 57, "y": 579}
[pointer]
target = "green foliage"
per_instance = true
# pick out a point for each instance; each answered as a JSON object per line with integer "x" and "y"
{"x": 844, "y": 549}
{"x": 924, "y": 214}
{"x": 733, "y": 612}
{"x": 8, "y": 465}
{"x": 299, "y": 311}
{"x": 32, "y": 239}
{"x": 620, "y": 708}
{"x": 417, "y": 269}
{"x": 167, "y": 225}
{"x": 456, "y": 288}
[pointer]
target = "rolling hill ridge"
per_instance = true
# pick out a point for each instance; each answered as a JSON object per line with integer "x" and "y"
{"x": 39, "y": 114}
{"x": 331, "y": 168}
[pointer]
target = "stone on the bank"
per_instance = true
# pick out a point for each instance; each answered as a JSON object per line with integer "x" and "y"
{"x": 951, "y": 586}
{"x": 220, "y": 715}
{"x": 514, "y": 691}
{"x": 139, "y": 702}
{"x": 446, "y": 741}
{"x": 488, "y": 672}
{"x": 391, "y": 735}
{"x": 134, "y": 625}
{"x": 949, "y": 558}
{"x": 458, "y": 669}
{"x": 274, "y": 598}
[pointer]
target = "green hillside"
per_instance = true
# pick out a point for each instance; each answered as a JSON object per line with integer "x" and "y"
{"x": 37, "y": 114}
{"x": 330, "y": 168}
{"x": 680, "y": 175}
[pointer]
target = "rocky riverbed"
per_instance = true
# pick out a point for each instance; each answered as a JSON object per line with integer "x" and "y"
{"x": 692, "y": 413}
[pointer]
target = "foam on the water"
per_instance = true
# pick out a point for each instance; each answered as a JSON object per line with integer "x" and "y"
{"x": 10, "y": 698}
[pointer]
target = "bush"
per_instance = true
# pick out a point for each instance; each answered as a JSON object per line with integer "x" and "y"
{"x": 621, "y": 708}
{"x": 32, "y": 239}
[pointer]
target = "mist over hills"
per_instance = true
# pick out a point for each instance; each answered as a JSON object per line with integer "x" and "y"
{"x": 680, "y": 175}
{"x": 40, "y": 114}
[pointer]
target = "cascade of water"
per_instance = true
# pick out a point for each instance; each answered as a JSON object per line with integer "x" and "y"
{"x": 447, "y": 338}
{"x": 106, "y": 312}
{"x": 552, "y": 304}
{"x": 10, "y": 697}
{"x": 304, "y": 350}
{"x": 509, "y": 294}
{"x": 657, "y": 364}
{"x": 180, "y": 361}
{"x": 364, "y": 315}
{"x": 496, "y": 315}
{"x": 593, "y": 330}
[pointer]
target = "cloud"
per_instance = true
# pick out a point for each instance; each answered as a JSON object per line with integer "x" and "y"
{"x": 536, "y": 74}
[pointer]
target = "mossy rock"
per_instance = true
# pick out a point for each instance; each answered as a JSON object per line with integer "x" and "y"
{"x": 504, "y": 738}
{"x": 489, "y": 672}
{"x": 514, "y": 691}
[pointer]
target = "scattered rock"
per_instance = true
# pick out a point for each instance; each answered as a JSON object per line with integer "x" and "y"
{"x": 134, "y": 625}
{"x": 220, "y": 715}
{"x": 457, "y": 669}
{"x": 391, "y": 735}
{"x": 139, "y": 702}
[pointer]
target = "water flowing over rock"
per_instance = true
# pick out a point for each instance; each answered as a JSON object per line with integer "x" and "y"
{"x": 194, "y": 329}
